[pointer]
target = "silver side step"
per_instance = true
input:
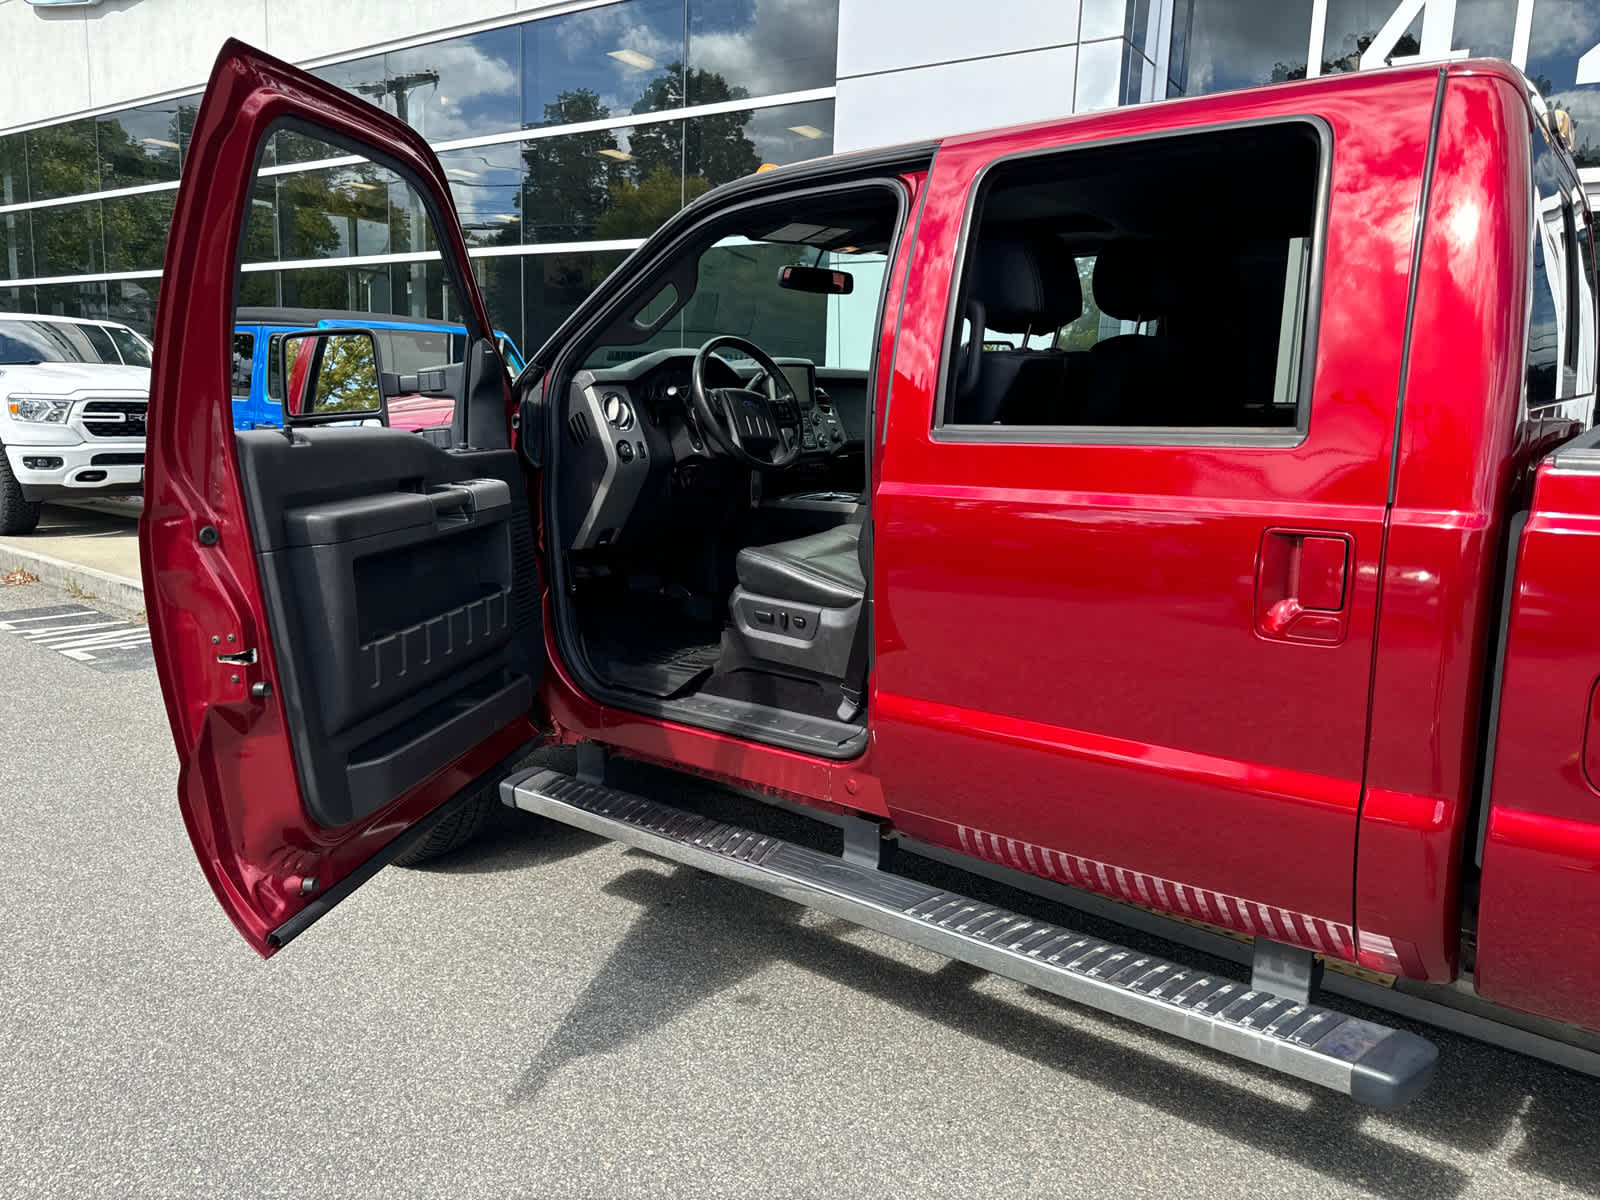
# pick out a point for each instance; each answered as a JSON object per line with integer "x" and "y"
{"x": 1372, "y": 1063}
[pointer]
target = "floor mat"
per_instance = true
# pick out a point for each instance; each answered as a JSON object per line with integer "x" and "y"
{"x": 661, "y": 671}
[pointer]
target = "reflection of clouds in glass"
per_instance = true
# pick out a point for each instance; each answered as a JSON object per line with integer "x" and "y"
{"x": 772, "y": 130}
{"x": 1238, "y": 44}
{"x": 784, "y": 46}
{"x": 1563, "y": 27}
{"x": 478, "y": 91}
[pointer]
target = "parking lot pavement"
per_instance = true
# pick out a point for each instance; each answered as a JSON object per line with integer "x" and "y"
{"x": 90, "y": 547}
{"x": 547, "y": 1014}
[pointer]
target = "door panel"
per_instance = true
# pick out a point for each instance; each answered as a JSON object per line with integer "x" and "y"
{"x": 1075, "y": 674}
{"x": 345, "y": 618}
{"x": 1538, "y": 940}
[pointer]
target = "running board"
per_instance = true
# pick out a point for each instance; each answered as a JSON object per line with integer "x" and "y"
{"x": 1372, "y": 1063}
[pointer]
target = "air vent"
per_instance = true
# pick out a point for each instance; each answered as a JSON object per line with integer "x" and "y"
{"x": 579, "y": 428}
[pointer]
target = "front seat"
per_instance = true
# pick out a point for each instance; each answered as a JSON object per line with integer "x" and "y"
{"x": 798, "y": 602}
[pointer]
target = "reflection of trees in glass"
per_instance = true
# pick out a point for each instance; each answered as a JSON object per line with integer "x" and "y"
{"x": 1283, "y": 72}
{"x": 570, "y": 177}
{"x": 347, "y": 377}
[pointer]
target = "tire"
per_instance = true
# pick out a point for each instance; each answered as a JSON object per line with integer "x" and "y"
{"x": 17, "y": 515}
{"x": 459, "y": 828}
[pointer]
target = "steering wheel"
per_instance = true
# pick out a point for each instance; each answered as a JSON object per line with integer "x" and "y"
{"x": 753, "y": 427}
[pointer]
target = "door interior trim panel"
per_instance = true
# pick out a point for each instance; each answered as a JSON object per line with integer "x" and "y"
{"x": 401, "y": 599}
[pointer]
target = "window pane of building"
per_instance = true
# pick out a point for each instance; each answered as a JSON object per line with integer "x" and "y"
{"x": 760, "y": 47}
{"x": 67, "y": 240}
{"x": 1239, "y": 43}
{"x": 187, "y": 107}
{"x": 133, "y": 302}
{"x": 555, "y": 284}
{"x": 61, "y": 160}
{"x": 603, "y": 62}
{"x": 72, "y": 299}
{"x": 139, "y": 145}
{"x": 14, "y": 169}
{"x": 610, "y": 183}
{"x": 17, "y": 299}
{"x": 1563, "y": 30}
{"x": 1352, "y": 27}
{"x": 136, "y": 230}
{"x": 500, "y": 282}
{"x": 16, "y": 246}
{"x": 725, "y": 146}
{"x": 337, "y": 212}
{"x": 486, "y": 185}
{"x": 463, "y": 87}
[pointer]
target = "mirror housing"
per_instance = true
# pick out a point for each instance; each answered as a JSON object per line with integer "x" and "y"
{"x": 822, "y": 281}
{"x": 332, "y": 376}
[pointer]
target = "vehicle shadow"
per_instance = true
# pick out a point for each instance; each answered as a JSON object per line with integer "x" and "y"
{"x": 676, "y": 955}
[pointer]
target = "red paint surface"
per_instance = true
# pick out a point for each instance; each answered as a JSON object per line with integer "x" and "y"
{"x": 1539, "y": 911}
{"x": 238, "y": 788}
{"x": 1456, "y": 464}
{"x": 1123, "y": 708}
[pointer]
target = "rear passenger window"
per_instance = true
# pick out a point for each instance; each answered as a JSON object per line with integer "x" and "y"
{"x": 244, "y": 352}
{"x": 1159, "y": 284}
{"x": 1561, "y": 349}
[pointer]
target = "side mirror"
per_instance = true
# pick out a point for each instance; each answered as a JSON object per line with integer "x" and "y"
{"x": 331, "y": 376}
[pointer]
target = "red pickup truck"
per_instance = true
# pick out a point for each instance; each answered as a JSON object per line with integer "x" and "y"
{"x": 1185, "y": 504}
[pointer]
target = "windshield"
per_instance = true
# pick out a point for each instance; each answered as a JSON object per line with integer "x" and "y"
{"x": 135, "y": 350}
{"x": 52, "y": 341}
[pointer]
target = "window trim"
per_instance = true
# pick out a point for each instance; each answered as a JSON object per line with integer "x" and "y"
{"x": 1146, "y": 435}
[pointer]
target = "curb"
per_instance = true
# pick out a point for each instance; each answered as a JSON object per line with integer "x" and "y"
{"x": 117, "y": 590}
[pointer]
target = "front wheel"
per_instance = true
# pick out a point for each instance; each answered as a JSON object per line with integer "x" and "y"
{"x": 17, "y": 514}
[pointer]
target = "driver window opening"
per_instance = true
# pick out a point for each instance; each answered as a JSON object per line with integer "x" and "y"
{"x": 711, "y": 472}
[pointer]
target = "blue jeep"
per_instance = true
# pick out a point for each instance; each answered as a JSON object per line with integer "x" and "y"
{"x": 257, "y": 389}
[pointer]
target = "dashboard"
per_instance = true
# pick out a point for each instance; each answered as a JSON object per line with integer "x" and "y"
{"x": 627, "y": 427}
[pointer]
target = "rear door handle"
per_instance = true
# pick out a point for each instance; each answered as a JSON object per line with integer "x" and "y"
{"x": 1302, "y": 585}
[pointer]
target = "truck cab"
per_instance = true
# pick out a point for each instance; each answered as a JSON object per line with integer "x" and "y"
{"x": 1165, "y": 503}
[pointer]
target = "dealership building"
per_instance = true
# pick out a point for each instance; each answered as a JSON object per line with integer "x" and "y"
{"x": 541, "y": 114}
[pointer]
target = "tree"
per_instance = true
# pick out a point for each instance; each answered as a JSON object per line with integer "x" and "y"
{"x": 570, "y": 176}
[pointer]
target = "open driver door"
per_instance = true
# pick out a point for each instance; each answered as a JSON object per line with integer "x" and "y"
{"x": 345, "y": 616}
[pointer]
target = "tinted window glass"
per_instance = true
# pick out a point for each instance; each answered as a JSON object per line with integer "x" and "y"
{"x": 62, "y": 160}
{"x": 1085, "y": 305}
{"x": 603, "y": 62}
{"x": 462, "y": 87}
{"x": 50, "y": 341}
{"x": 1544, "y": 332}
{"x": 743, "y": 48}
{"x": 1221, "y": 44}
{"x": 68, "y": 240}
{"x": 104, "y": 349}
{"x": 244, "y": 349}
{"x": 139, "y": 145}
{"x": 135, "y": 350}
{"x": 136, "y": 230}
{"x": 1562, "y": 32}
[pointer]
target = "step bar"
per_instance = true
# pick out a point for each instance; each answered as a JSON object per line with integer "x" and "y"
{"x": 1369, "y": 1062}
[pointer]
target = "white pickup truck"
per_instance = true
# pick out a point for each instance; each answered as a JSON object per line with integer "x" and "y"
{"x": 73, "y": 394}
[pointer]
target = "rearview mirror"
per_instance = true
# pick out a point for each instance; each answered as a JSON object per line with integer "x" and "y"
{"x": 331, "y": 376}
{"x": 820, "y": 280}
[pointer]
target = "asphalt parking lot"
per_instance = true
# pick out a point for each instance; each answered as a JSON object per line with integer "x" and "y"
{"x": 548, "y": 1014}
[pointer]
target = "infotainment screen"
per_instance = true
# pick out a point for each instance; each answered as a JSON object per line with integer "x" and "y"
{"x": 802, "y": 378}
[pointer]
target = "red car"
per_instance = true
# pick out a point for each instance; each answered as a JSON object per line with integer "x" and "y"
{"x": 1185, "y": 504}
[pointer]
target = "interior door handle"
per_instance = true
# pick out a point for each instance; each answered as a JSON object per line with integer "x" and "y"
{"x": 1302, "y": 585}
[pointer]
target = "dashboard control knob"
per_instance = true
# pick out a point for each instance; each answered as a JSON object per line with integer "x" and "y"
{"x": 625, "y": 451}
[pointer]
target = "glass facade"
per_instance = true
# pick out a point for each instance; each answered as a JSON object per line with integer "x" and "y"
{"x": 567, "y": 138}
{"x": 595, "y": 129}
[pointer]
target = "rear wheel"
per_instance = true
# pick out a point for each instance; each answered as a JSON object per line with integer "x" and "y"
{"x": 17, "y": 514}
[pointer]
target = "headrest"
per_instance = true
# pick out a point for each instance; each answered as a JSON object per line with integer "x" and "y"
{"x": 1135, "y": 281}
{"x": 1026, "y": 284}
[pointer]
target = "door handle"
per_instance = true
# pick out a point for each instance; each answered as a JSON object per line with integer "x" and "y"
{"x": 1302, "y": 586}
